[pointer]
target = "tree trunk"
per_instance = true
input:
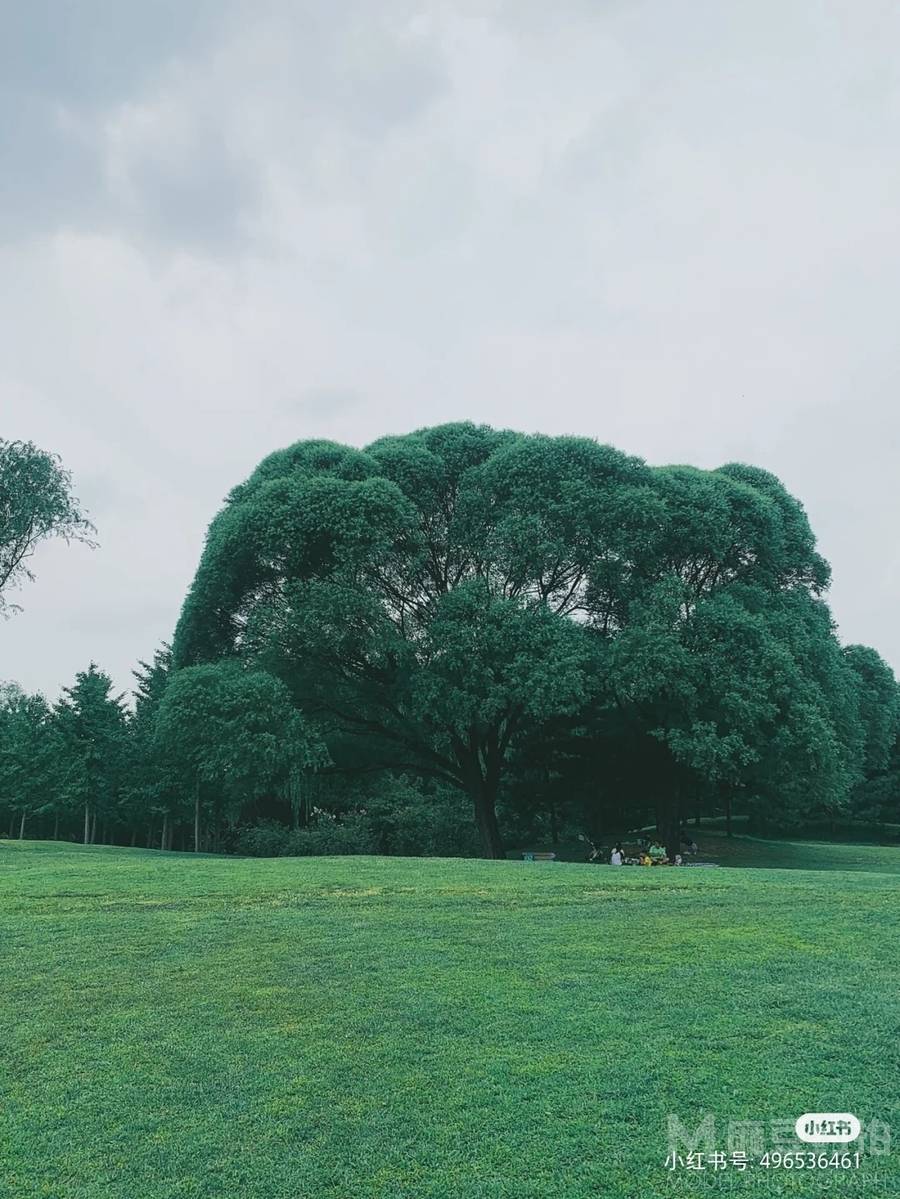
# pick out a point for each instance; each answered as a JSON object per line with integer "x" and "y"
{"x": 484, "y": 799}
{"x": 56, "y": 828}
{"x": 87, "y": 823}
{"x": 481, "y": 772}
{"x": 728, "y": 814}
{"x": 671, "y": 830}
{"x": 22, "y": 826}
{"x": 295, "y": 796}
{"x": 197, "y": 815}
{"x": 165, "y": 831}
{"x": 133, "y": 837}
{"x": 94, "y": 829}
{"x": 486, "y": 818}
{"x": 594, "y": 825}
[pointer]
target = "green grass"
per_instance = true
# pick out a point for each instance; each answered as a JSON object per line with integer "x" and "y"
{"x": 796, "y": 855}
{"x": 428, "y": 1029}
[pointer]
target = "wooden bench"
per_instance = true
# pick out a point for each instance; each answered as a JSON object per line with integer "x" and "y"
{"x": 530, "y": 856}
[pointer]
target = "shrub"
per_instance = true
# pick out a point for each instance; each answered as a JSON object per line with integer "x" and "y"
{"x": 400, "y": 818}
{"x": 419, "y": 822}
{"x": 351, "y": 835}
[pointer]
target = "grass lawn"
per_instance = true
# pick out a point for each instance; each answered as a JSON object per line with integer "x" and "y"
{"x": 359, "y": 1028}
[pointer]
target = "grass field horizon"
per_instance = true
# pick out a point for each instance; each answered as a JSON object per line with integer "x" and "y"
{"x": 180, "y": 1025}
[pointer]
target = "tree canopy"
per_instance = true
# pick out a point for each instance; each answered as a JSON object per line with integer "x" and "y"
{"x": 441, "y": 601}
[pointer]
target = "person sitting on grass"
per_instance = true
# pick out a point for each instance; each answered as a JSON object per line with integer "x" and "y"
{"x": 688, "y": 841}
{"x": 617, "y": 857}
{"x": 657, "y": 854}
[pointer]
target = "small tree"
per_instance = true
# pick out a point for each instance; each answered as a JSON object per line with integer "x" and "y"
{"x": 30, "y": 756}
{"x": 152, "y": 786}
{"x": 36, "y": 503}
{"x": 92, "y": 723}
{"x": 232, "y": 729}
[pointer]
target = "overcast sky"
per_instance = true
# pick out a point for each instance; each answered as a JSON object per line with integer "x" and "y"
{"x": 226, "y": 226}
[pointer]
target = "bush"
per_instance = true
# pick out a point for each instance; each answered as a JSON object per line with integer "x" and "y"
{"x": 268, "y": 839}
{"x": 351, "y": 835}
{"x": 416, "y": 822}
{"x": 400, "y": 818}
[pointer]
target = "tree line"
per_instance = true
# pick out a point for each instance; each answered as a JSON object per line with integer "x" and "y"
{"x": 465, "y": 638}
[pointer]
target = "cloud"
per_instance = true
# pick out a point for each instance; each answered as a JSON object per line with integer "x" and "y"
{"x": 168, "y": 122}
{"x": 63, "y": 67}
{"x": 323, "y": 401}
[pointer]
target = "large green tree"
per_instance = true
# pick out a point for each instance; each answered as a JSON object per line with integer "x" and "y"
{"x": 443, "y": 599}
{"x": 409, "y": 600}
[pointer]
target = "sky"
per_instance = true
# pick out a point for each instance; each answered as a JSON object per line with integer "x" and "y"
{"x": 229, "y": 225}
